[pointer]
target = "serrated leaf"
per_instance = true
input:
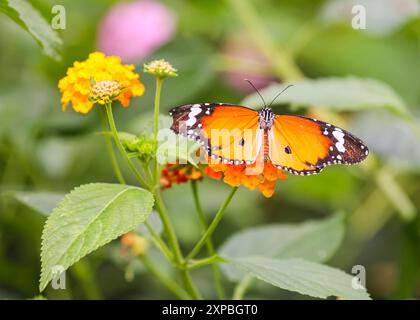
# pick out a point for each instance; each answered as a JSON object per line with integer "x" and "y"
{"x": 42, "y": 202}
{"x": 304, "y": 277}
{"x": 315, "y": 241}
{"x": 341, "y": 94}
{"x": 89, "y": 217}
{"x": 24, "y": 14}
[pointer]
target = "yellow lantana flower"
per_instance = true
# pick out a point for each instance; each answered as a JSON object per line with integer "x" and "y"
{"x": 75, "y": 87}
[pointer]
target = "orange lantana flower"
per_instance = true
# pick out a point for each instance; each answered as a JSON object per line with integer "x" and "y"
{"x": 75, "y": 87}
{"x": 236, "y": 175}
{"x": 179, "y": 173}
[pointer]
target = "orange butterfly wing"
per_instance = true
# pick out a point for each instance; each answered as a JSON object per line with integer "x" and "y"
{"x": 304, "y": 146}
{"x": 230, "y": 133}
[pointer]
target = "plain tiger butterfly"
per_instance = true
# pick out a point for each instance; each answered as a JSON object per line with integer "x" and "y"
{"x": 297, "y": 144}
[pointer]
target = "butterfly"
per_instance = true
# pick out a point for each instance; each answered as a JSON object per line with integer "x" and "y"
{"x": 236, "y": 135}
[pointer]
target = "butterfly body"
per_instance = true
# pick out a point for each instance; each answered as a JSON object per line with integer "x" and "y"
{"x": 236, "y": 135}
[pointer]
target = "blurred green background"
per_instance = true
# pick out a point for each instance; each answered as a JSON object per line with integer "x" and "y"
{"x": 215, "y": 44}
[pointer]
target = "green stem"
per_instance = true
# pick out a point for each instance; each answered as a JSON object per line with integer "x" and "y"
{"x": 157, "y": 240}
{"x": 209, "y": 243}
{"x": 173, "y": 241}
{"x": 169, "y": 231}
{"x": 110, "y": 150}
{"x": 242, "y": 287}
{"x": 395, "y": 194}
{"x": 160, "y": 207}
{"x": 121, "y": 147}
{"x": 167, "y": 282}
{"x": 194, "y": 264}
{"x": 159, "y": 243}
{"x": 159, "y": 82}
{"x": 212, "y": 226}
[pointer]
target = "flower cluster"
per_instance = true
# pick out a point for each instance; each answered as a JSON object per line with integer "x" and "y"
{"x": 76, "y": 88}
{"x": 144, "y": 147}
{"x": 179, "y": 173}
{"x": 160, "y": 68}
{"x": 105, "y": 91}
{"x": 236, "y": 175}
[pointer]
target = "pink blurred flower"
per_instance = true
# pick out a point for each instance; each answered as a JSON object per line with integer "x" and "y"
{"x": 256, "y": 70}
{"x": 135, "y": 29}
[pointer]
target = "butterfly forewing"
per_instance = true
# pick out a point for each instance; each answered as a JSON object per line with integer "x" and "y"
{"x": 230, "y": 133}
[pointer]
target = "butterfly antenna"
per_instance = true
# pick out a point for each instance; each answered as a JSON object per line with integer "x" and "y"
{"x": 290, "y": 85}
{"x": 252, "y": 85}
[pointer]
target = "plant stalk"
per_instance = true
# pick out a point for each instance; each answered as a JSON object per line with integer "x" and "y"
{"x": 209, "y": 243}
{"x": 212, "y": 226}
{"x": 110, "y": 149}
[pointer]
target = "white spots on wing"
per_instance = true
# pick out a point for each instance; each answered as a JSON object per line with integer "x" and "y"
{"x": 195, "y": 110}
{"x": 366, "y": 152}
{"x": 331, "y": 148}
{"x": 326, "y": 132}
{"x": 362, "y": 146}
{"x": 207, "y": 104}
{"x": 339, "y": 157}
{"x": 339, "y": 135}
{"x": 328, "y": 125}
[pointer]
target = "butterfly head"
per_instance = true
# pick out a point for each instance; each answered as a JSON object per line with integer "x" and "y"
{"x": 266, "y": 117}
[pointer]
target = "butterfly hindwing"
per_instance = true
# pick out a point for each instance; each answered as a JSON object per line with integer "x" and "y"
{"x": 304, "y": 146}
{"x": 230, "y": 133}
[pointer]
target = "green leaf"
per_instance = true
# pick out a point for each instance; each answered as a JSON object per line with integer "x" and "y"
{"x": 89, "y": 217}
{"x": 42, "y": 202}
{"x": 340, "y": 94}
{"x": 316, "y": 241}
{"x": 305, "y": 277}
{"x": 24, "y": 14}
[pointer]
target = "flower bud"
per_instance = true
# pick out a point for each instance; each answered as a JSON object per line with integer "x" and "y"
{"x": 160, "y": 68}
